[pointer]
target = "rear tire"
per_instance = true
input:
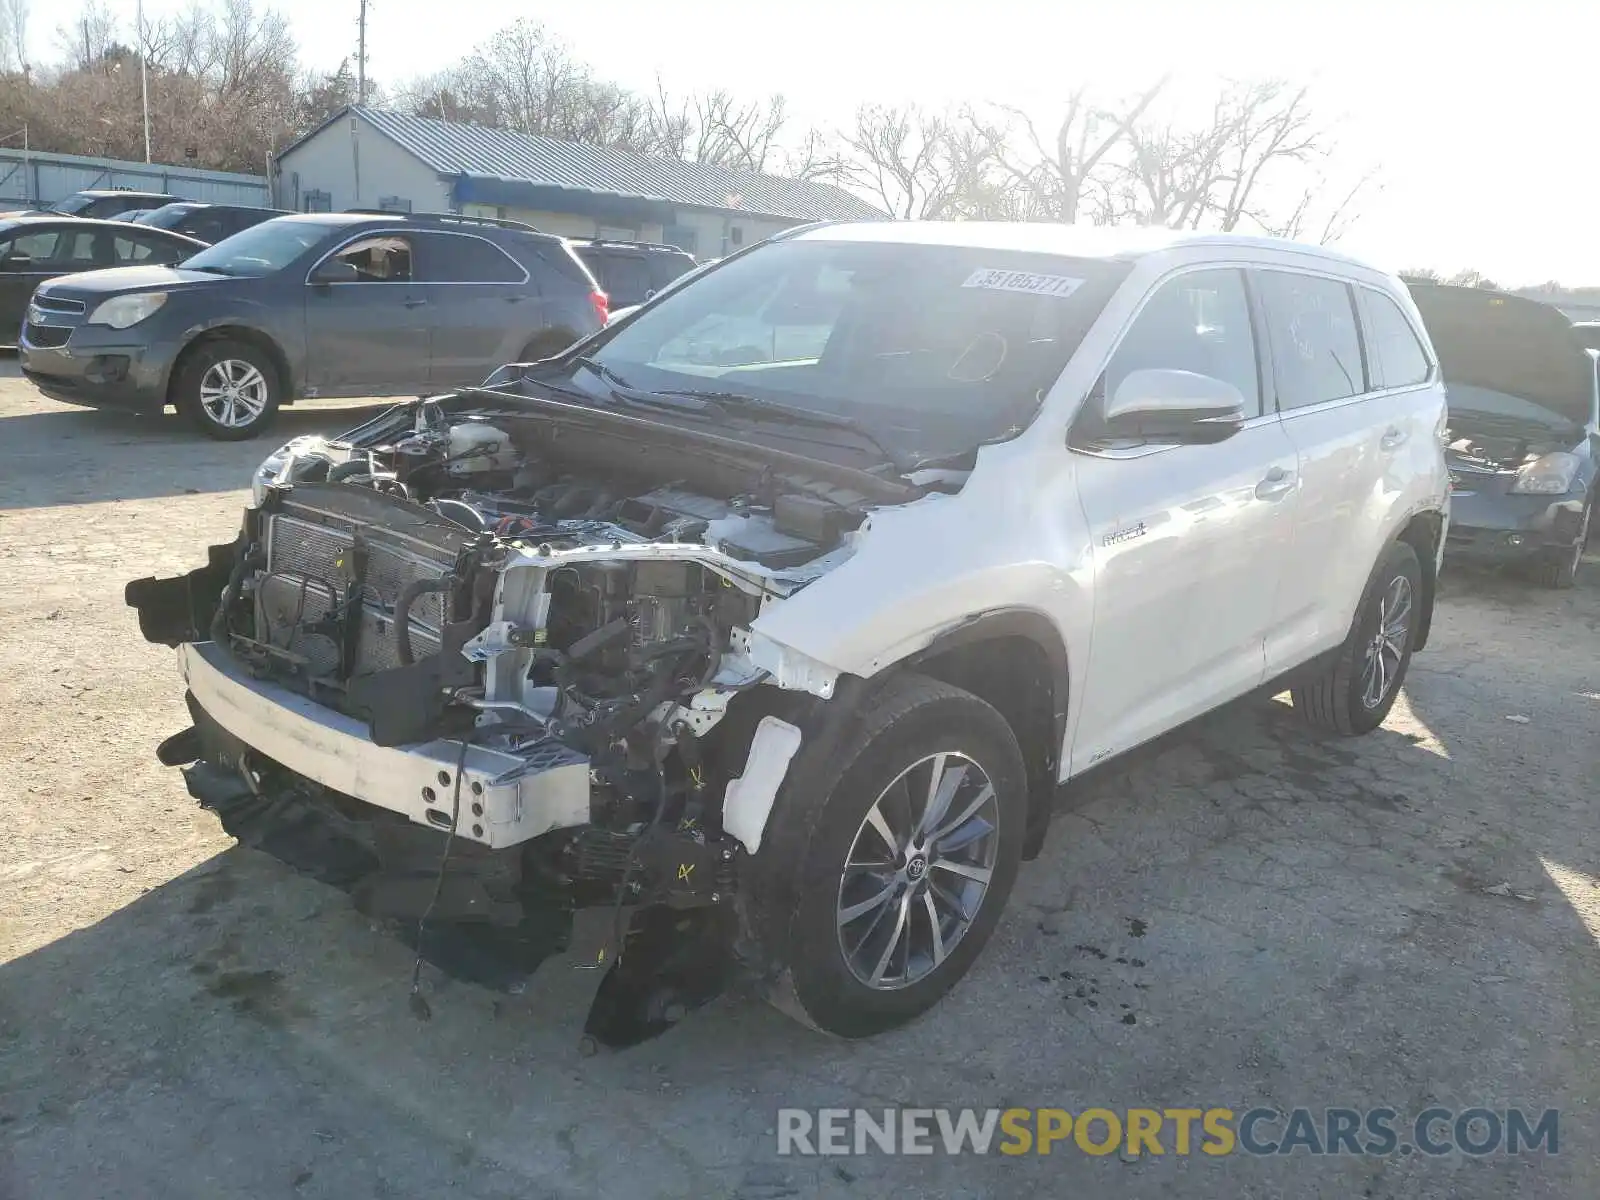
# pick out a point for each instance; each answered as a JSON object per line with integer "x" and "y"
{"x": 857, "y": 975}
{"x": 1354, "y": 693}
{"x": 227, "y": 389}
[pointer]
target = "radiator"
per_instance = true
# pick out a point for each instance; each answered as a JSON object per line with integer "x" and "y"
{"x": 308, "y": 575}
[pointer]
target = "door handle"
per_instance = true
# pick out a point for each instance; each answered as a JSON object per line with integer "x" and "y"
{"x": 415, "y": 302}
{"x": 1277, "y": 484}
{"x": 1393, "y": 438}
{"x": 513, "y": 299}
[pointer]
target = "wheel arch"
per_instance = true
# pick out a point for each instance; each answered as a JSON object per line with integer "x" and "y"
{"x": 1423, "y": 533}
{"x": 237, "y": 333}
{"x": 1016, "y": 661}
{"x": 556, "y": 338}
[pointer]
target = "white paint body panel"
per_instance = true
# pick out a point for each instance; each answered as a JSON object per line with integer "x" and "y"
{"x": 1223, "y": 589}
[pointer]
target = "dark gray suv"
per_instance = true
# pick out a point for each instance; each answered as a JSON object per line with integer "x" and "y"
{"x": 324, "y": 304}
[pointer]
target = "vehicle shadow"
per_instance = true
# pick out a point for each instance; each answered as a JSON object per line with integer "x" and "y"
{"x": 88, "y": 456}
{"x": 1241, "y": 914}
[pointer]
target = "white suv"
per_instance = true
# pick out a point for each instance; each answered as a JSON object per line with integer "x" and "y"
{"x": 776, "y": 611}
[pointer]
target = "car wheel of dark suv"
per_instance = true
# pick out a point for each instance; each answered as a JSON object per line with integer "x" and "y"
{"x": 227, "y": 389}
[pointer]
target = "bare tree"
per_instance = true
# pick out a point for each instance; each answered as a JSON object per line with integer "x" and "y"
{"x": 1268, "y": 125}
{"x": 715, "y": 127}
{"x": 1310, "y": 220}
{"x": 1258, "y": 159}
{"x": 1057, "y": 174}
{"x": 523, "y": 79}
{"x": 14, "y": 35}
{"x": 919, "y": 164}
{"x": 89, "y": 40}
{"x": 815, "y": 157}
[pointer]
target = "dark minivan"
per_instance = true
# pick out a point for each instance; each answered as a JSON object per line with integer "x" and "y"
{"x": 104, "y": 203}
{"x": 1524, "y": 437}
{"x": 632, "y": 272}
{"x": 210, "y": 223}
{"x": 315, "y": 304}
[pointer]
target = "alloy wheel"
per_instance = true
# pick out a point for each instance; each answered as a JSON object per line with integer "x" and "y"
{"x": 234, "y": 393}
{"x": 1387, "y": 649}
{"x": 918, "y": 871}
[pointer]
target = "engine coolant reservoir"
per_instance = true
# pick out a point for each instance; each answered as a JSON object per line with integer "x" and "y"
{"x": 475, "y": 446}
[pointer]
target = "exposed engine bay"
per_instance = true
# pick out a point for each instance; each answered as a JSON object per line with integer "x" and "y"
{"x": 563, "y": 611}
{"x": 1482, "y": 447}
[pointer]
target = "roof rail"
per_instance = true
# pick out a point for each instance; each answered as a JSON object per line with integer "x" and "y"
{"x": 600, "y": 241}
{"x": 445, "y": 218}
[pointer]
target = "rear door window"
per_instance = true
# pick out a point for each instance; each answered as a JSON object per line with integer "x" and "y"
{"x": 664, "y": 268}
{"x": 1316, "y": 345}
{"x": 209, "y": 227}
{"x": 32, "y": 251}
{"x": 83, "y": 250}
{"x": 131, "y": 249}
{"x": 627, "y": 279}
{"x": 1398, "y": 359}
{"x": 458, "y": 258}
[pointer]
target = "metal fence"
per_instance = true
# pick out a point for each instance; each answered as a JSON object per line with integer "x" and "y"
{"x": 32, "y": 180}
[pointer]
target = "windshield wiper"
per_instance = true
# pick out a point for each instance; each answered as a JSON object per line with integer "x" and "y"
{"x": 605, "y": 372}
{"x": 703, "y": 400}
{"x": 747, "y": 405}
{"x": 621, "y": 389}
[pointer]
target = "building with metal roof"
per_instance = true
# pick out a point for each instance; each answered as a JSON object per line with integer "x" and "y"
{"x": 370, "y": 158}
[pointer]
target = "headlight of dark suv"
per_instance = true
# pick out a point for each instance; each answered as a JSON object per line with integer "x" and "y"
{"x": 119, "y": 312}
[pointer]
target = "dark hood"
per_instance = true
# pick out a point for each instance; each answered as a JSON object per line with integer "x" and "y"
{"x": 115, "y": 280}
{"x": 1507, "y": 356}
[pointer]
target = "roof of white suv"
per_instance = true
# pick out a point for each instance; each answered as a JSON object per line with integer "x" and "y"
{"x": 1074, "y": 241}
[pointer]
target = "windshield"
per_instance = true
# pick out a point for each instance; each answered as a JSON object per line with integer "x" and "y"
{"x": 261, "y": 249}
{"x": 933, "y": 348}
{"x": 72, "y": 204}
{"x": 165, "y": 217}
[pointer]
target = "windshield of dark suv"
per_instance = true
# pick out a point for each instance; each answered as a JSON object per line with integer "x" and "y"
{"x": 168, "y": 216}
{"x": 931, "y": 348}
{"x": 72, "y": 204}
{"x": 261, "y": 249}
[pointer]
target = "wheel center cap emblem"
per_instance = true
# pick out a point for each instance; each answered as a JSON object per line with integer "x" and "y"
{"x": 916, "y": 867}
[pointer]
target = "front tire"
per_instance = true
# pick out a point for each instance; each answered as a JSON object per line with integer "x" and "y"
{"x": 228, "y": 390}
{"x": 1353, "y": 694}
{"x": 897, "y": 853}
{"x": 1560, "y": 570}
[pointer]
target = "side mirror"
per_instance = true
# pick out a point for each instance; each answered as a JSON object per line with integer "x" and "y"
{"x": 1174, "y": 406}
{"x": 336, "y": 270}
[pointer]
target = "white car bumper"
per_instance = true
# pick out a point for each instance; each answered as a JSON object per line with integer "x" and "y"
{"x": 505, "y": 798}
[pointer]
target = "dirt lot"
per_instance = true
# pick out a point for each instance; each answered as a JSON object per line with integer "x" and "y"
{"x": 1240, "y": 916}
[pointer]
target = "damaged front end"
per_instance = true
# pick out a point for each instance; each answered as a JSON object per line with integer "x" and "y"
{"x": 466, "y": 668}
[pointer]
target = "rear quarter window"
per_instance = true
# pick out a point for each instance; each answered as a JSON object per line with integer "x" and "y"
{"x": 565, "y": 263}
{"x": 1396, "y": 354}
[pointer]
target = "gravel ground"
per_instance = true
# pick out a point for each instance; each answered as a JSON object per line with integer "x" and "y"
{"x": 1241, "y": 915}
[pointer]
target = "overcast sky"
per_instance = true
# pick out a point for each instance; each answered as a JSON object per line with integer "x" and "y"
{"x": 1481, "y": 115}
